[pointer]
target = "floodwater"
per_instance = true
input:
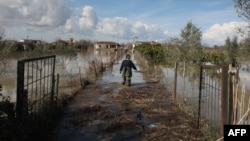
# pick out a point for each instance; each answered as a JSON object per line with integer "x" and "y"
{"x": 188, "y": 90}
{"x": 191, "y": 89}
{"x": 69, "y": 67}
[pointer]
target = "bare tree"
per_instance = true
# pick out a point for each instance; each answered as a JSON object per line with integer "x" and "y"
{"x": 2, "y": 33}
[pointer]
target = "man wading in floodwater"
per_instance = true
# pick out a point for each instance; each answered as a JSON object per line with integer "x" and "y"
{"x": 126, "y": 70}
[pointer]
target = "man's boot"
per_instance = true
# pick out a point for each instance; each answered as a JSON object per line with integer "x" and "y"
{"x": 123, "y": 81}
{"x": 129, "y": 82}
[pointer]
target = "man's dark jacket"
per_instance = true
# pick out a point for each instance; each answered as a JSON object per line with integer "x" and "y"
{"x": 127, "y": 64}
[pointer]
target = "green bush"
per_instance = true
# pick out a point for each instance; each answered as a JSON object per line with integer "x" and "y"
{"x": 8, "y": 46}
{"x": 154, "y": 53}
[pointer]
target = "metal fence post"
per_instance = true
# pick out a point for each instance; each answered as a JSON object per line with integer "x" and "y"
{"x": 20, "y": 90}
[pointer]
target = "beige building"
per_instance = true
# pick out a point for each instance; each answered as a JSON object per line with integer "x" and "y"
{"x": 107, "y": 45}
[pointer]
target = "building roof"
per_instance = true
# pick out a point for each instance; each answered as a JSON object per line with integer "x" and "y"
{"x": 106, "y": 42}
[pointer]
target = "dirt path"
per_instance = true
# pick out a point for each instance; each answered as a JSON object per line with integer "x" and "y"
{"x": 108, "y": 111}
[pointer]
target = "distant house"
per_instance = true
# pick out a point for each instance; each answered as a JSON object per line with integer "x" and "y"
{"x": 107, "y": 45}
{"x": 30, "y": 41}
{"x": 71, "y": 41}
{"x": 28, "y": 44}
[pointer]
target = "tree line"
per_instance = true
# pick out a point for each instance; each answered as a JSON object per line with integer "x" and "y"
{"x": 189, "y": 48}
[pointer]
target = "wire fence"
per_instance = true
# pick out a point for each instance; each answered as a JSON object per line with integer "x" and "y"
{"x": 35, "y": 94}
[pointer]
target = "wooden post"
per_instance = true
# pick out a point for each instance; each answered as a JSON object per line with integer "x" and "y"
{"x": 53, "y": 80}
{"x": 1, "y": 88}
{"x": 175, "y": 79}
{"x": 200, "y": 92}
{"x": 224, "y": 119}
{"x": 57, "y": 85}
{"x": 230, "y": 98}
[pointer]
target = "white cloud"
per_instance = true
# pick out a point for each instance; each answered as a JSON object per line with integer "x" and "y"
{"x": 71, "y": 25}
{"x": 139, "y": 28}
{"x": 217, "y": 34}
{"x": 154, "y": 32}
{"x": 50, "y": 19}
{"x": 88, "y": 19}
{"x": 115, "y": 27}
{"x": 34, "y": 12}
{"x": 122, "y": 28}
{"x": 85, "y": 23}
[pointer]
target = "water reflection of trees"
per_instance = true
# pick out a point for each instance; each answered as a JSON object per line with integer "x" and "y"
{"x": 3, "y": 66}
{"x": 192, "y": 72}
{"x": 64, "y": 60}
{"x": 245, "y": 67}
{"x": 3, "y": 62}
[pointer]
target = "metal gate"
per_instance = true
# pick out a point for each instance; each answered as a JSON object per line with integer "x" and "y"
{"x": 35, "y": 86}
{"x": 214, "y": 96}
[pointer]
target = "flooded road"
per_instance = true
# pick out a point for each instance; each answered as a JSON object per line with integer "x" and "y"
{"x": 109, "y": 111}
{"x": 95, "y": 98}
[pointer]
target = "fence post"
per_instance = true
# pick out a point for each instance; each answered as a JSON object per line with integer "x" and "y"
{"x": 224, "y": 119}
{"x": 230, "y": 99}
{"x": 20, "y": 90}
{"x": 200, "y": 91}
{"x": 53, "y": 80}
{"x": 232, "y": 72}
{"x": 57, "y": 84}
{"x": 1, "y": 88}
{"x": 175, "y": 79}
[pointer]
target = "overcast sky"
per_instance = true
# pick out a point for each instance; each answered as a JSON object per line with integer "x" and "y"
{"x": 117, "y": 20}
